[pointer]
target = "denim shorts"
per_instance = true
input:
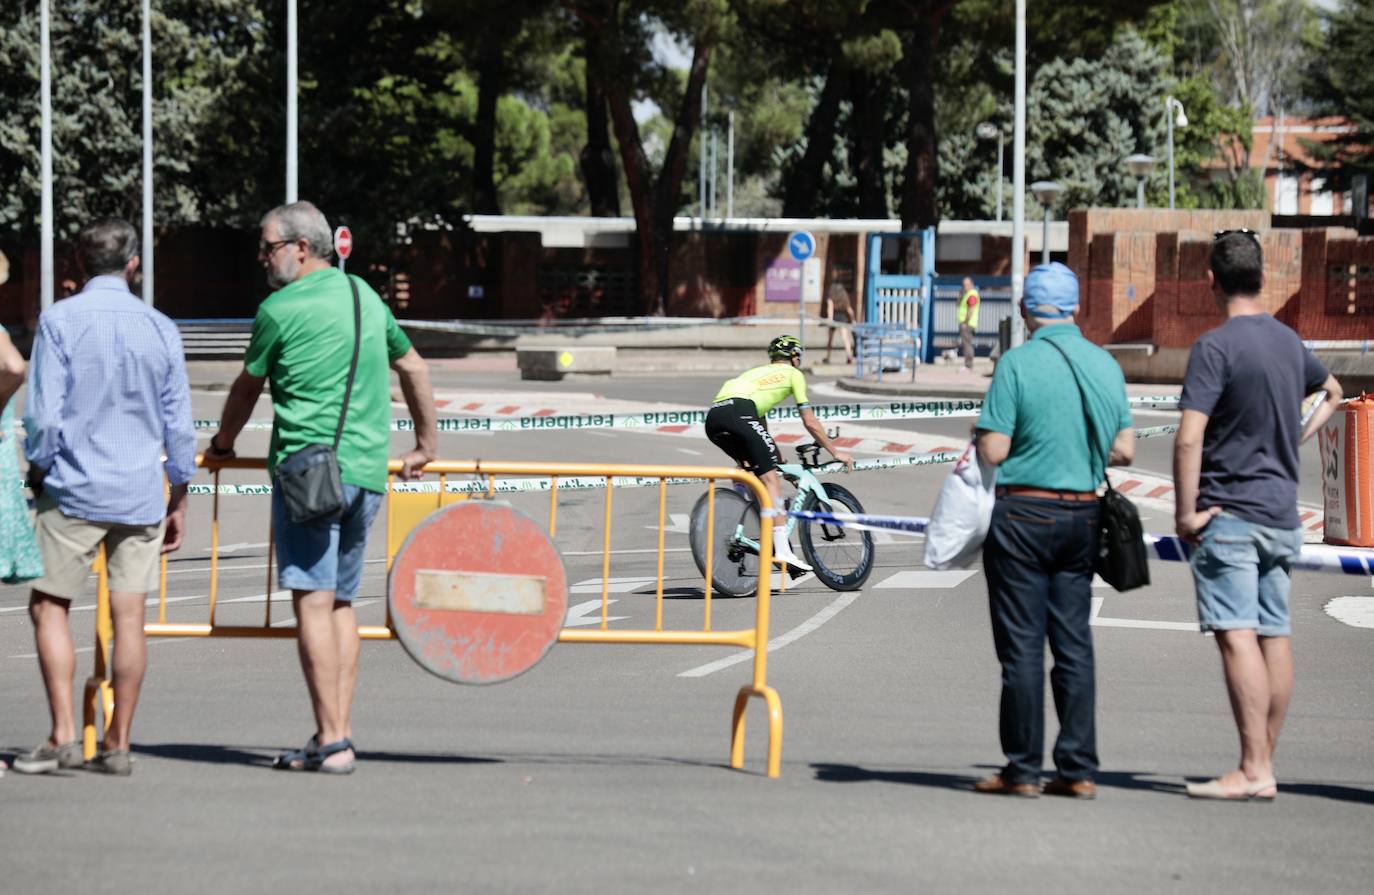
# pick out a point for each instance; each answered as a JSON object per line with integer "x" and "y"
{"x": 1241, "y": 571}
{"x": 324, "y": 555}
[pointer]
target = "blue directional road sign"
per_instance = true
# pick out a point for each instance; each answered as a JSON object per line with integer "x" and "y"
{"x": 801, "y": 245}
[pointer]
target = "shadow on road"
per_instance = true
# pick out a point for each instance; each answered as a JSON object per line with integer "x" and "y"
{"x": 1137, "y": 780}
{"x": 848, "y": 773}
{"x": 693, "y": 593}
{"x": 262, "y": 756}
{"x": 1328, "y": 791}
{"x": 845, "y": 773}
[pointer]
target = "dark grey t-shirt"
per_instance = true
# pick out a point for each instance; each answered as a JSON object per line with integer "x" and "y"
{"x": 1250, "y": 376}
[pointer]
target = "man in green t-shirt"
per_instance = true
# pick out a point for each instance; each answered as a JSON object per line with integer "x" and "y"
{"x": 1055, "y": 416}
{"x": 303, "y": 337}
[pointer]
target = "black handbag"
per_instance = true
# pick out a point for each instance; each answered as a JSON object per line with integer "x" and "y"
{"x": 1122, "y": 560}
{"x": 309, "y": 478}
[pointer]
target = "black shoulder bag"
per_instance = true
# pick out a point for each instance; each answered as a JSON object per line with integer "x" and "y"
{"x": 309, "y": 478}
{"x": 1122, "y": 560}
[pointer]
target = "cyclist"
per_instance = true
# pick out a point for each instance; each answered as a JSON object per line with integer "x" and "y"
{"x": 735, "y": 424}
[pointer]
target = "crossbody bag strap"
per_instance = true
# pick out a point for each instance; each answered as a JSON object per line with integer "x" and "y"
{"x": 353, "y": 364}
{"x": 1083, "y": 397}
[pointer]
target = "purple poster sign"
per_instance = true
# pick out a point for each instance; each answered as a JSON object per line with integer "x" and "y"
{"x": 782, "y": 280}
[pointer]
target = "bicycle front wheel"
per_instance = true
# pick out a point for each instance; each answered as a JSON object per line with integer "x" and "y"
{"x": 735, "y": 568}
{"x": 841, "y": 557}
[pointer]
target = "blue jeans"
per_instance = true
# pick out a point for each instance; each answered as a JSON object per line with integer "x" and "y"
{"x": 324, "y": 555}
{"x": 1241, "y": 571}
{"x": 1038, "y": 561}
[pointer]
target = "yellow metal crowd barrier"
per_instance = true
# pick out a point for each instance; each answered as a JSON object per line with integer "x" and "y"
{"x": 404, "y": 510}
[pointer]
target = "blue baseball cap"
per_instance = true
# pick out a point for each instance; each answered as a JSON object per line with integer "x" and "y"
{"x": 1051, "y": 284}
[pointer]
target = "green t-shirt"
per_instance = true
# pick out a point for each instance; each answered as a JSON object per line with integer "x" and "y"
{"x": 1034, "y": 400}
{"x": 302, "y": 341}
{"x": 766, "y": 386}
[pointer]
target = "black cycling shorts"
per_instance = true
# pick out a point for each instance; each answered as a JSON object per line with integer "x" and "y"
{"x": 734, "y": 426}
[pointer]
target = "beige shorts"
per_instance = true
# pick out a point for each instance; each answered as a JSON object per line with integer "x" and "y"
{"x": 69, "y": 547}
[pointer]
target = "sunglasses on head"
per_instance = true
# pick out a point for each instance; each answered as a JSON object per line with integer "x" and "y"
{"x": 1220, "y": 234}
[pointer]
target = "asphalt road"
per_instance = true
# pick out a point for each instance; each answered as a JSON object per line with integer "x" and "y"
{"x": 604, "y": 767}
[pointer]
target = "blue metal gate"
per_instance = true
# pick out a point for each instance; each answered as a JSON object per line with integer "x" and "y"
{"x": 899, "y": 298}
{"x": 942, "y": 333}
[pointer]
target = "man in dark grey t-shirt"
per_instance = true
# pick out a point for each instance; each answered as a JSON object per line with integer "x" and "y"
{"x": 1236, "y": 481}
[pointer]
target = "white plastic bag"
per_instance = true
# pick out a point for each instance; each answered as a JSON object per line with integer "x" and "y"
{"x": 962, "y": 513}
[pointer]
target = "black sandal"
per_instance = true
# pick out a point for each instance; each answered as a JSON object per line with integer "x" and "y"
{"x": 335, "y": 748}
{"x": 304, "y": 759}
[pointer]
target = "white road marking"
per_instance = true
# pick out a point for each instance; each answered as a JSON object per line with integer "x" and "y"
{"x": 613, "y": 585}
{"x": 1099, "y": 622}
{"x": 777, "y": 643}
{"x": 280, "y": 623}
{"x": 1358, "y": 612}
{"x": 792, "y": 583}
{"x": 580, "y": 616}
{"x": 153, "y": 601}
{"x": 927, "y": 579}
{"x": 678, "y": 524}
{"x": 689, "y": 451}
{"x": 234, "y": 548}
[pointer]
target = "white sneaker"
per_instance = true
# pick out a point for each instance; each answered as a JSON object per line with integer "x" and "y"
{"x": 785, "y": 557}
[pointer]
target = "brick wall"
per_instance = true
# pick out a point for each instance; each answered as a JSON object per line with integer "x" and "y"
{"x": 1143, "y": 276}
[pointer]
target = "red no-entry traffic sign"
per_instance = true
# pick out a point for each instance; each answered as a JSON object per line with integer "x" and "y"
{"x": 343, "y": 243}
{"x": 478, "y": 593}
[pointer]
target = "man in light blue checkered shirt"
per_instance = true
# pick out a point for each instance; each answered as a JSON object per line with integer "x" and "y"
{"x": 107, "y": 399}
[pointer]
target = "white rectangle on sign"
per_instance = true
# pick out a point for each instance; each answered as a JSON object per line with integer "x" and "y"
{"x": 811, "y": 279}
{"x": 479, "y": 592}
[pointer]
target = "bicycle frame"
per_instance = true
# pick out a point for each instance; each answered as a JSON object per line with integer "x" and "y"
{"x": 806, "y": 483}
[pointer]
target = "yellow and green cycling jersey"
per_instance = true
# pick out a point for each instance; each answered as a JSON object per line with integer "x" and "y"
{"x": 766, "y": 386}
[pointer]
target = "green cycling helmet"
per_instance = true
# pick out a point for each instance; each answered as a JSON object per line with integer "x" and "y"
{"x": 785, "y": 348}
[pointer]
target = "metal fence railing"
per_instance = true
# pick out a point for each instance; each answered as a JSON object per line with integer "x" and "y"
{"x": 410, "y": 502}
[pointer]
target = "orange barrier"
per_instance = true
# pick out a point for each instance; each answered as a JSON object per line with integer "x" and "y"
{"x": 405, "y": 510}
{"x": 1347, "y": 451}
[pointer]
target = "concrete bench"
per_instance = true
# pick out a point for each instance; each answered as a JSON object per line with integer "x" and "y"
{"x": 554, "y": 362}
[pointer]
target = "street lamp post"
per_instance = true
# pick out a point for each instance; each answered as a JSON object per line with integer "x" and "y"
{"x": 987, "y": 130}
{"x": 1045, "y": 192}
{"x": 1171, "y": 106}
{"x": 1018, "y": 177}
{"x": 1140, "y": 166}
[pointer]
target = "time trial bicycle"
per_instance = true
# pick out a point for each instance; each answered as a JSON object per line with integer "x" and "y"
{"x": 840, "y": 556}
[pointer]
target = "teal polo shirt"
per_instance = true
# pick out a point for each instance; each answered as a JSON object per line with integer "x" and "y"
{"x": 1033, "y": 399}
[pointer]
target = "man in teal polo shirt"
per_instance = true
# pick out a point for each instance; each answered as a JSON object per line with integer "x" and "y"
{"x": 303, "y": 337}
{"x": 1038, "y": 556}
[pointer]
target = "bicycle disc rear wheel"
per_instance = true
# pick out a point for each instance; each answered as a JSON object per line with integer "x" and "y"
{"x": 841, "y": 557}
{"x": 735, "y": 571}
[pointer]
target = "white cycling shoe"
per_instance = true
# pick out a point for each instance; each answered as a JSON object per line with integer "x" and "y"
{"x": 786, "y": 557}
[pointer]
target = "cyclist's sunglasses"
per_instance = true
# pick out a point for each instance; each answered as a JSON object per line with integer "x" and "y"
{"x": 1254, "y": 237}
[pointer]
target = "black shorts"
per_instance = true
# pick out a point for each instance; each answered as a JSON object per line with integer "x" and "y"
{"x": 734, "y": 426}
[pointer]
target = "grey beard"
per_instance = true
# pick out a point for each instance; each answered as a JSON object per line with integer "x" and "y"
{"x": 279, "y": 277}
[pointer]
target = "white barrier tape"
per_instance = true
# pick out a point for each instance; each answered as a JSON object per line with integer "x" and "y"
{"x": 507, "y": 486}
{"x": 595, "y": 326}
{"x": 1314, "y": 557}
{"x": 937, "y": 408}
{"x": 473, "y": 486}
{"x": 865, "y": 521}
{"x": 1166, "y": 548}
